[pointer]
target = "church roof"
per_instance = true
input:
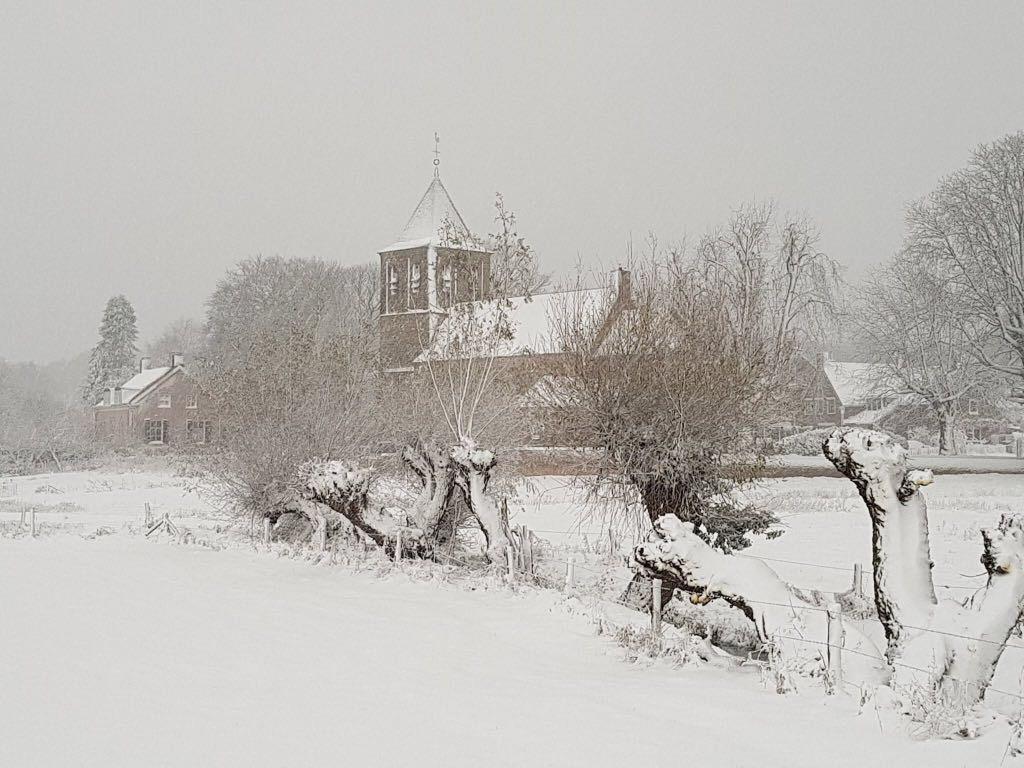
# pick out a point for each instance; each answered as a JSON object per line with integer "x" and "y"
{"x": 434, "y": 212}
{"x": 515, "y": 326}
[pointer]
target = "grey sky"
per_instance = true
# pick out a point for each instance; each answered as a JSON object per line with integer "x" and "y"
{"x": 145, "y": 148}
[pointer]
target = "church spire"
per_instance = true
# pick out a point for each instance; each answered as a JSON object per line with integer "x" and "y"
{"x": 437, "y": 156}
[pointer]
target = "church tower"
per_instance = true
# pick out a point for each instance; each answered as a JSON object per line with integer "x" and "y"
{"x": 435, "y": 263}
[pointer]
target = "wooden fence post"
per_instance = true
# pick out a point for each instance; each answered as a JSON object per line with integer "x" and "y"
{"x": 858, "y": 579}
{"x": 656, "y": 608}
{"x": 570, "y": 573}
{"x": 32, "y": 515}
{"x": 149, "y": 515}
{"x": 511, "y": 557}
{"x": 398, "y": 546}
{"x": 22, "y": 516}
{"x": 526, "y": 548}
{"x": 836, "y": 635}
{"x": 267, "y": 531}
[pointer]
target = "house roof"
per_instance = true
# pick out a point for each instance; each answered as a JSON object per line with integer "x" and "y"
{"x": 133, "y": 391}
{"x": 434, "y": 211}
{"x": 516, "y": 326}
{"x": 855, "y": 382}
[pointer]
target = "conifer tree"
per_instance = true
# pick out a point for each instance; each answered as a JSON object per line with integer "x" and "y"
{"x": 113, "y": 358}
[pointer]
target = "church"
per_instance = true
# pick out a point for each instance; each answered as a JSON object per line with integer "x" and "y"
{"x": 436, "y": 264}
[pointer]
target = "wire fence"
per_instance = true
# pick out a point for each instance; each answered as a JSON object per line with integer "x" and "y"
{"x": 576, "y": 565}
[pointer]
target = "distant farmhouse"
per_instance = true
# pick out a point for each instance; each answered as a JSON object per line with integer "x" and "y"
{"x": 156, "y": 406}
{"x": 857, "y": 394}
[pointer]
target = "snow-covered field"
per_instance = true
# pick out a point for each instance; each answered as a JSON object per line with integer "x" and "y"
{"x": 127, "y": 651}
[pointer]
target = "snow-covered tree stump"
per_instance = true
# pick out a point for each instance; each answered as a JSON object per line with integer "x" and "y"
{"x": 476, "y": 466}
{"x": 441, "y": 505}
{"x": 781, "y": 617}
{"x": 877, "y": 465}
{"x": 334, "y": 486}
{"x": 947, "y": 647}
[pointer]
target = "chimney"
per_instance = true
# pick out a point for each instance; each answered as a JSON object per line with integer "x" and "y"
{"x": 115, "y": 396}
{"x": 108, "y": 396}
{"x": 623, "y": 286}
{"x": 177, "y": 359}
{"x": 143, "y": 364}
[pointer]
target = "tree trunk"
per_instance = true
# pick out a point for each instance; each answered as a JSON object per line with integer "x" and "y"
{"x": 476, "y": 467}
{"x": 343, "y": 489}
{"x": 947, "y": 429}
{"x": 876, "y": 464}
{"x": 782, "y": 618}
{"x": 945, "y": 647}
{"x": 441, "y": 507}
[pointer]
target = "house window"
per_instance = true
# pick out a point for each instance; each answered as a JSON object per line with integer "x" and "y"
{"x": 972, "y": 407}
{"x": 163, "y": 401}
{"x": 155, "y": 431}
{"x": 197, "y": 432}
{"x": 830, "y": 405}
{"x": 192, "y": 399}
{"x": 973, "y": 434}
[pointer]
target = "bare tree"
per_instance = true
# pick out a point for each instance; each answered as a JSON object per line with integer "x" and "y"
{"x": 973, "y": 225}
{"x": 37, "y": 427}
{"x": 672, "y": 389}
{"x": 912, "y": 326}
{"x": 183, "y": 336}
{"x": 290, "y": 370}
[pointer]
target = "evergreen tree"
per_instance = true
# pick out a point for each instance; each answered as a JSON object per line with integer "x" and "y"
{"x": 113, "y": 358}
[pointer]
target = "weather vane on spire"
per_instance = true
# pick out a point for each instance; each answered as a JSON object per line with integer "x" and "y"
{"x": 437, "y": 155}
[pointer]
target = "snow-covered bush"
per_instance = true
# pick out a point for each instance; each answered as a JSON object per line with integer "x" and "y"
{"x": 807, "y": 443}
{"x": 289, "y": 368}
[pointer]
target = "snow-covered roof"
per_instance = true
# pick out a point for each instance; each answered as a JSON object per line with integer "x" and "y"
{"x": 516, "y": 326}
{"x": 139, "y": 383}
{"x": 855, "y": 382}
{"x": 434, "y": 211}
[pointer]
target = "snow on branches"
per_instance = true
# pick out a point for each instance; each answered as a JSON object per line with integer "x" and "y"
{"x": 331, "y": 485}
{"x": 783, "y": 619}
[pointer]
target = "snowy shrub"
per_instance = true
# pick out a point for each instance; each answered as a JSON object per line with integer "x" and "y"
{"x": 806, "y": 443}
{"x": 290, "y": 370}
{"x": 941, "y": 712}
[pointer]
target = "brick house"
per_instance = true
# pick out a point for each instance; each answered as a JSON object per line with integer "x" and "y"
{"x": 156, "y": 406}
{"x": 845, "y": 393}
{"x": 855, "y": 394}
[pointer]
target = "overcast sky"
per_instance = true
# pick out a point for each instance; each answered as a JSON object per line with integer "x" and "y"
{"x": 145, "y": 148}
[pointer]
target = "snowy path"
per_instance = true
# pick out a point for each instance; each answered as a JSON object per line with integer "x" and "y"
{"x": 122, "y": 652}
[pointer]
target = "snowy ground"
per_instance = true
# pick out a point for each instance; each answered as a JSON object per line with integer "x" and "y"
{"x": 123, "y": 651}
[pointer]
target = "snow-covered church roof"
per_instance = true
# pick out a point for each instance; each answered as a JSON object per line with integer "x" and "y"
{"x": 434, "y": 211}
{"x": 516, "y": 326}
